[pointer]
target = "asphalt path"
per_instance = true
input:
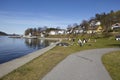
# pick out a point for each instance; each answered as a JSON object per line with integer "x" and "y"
{"x": 83, "y": 65}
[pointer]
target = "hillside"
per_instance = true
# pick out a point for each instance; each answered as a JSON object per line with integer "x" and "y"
{"x": 108, "y": 19}
{"x": 3, "y": 33}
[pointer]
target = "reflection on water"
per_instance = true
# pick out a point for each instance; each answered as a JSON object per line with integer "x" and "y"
{"x": 11, "y": 48}
{"x": 33, "y": 43}
{"x": 37, "y": 43}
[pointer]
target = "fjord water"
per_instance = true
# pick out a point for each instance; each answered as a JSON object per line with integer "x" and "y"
{"x": 12, "y": 48}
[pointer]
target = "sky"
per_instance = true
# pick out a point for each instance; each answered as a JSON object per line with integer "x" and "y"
{"x": 18, "y": 15}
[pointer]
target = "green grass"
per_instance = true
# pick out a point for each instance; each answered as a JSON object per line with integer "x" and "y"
{"x": 112, "y": 64}
{"x": 39, "y": 67}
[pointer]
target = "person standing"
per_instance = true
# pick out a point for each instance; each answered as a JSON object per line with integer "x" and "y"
{"x": 80, "y": 42}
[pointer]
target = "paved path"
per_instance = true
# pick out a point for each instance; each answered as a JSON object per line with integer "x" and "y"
{"x": 7, "y": 67}
{"x": 84, "y": 65}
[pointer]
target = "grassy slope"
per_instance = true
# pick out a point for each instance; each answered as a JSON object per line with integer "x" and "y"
{"x": 40, "y": 66}
{"x": 112, "y": 64}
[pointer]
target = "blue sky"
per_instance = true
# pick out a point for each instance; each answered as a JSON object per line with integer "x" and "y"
{"x": 18, "y": 15}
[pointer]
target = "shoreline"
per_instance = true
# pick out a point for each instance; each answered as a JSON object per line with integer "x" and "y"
{"x": 47, "y": 38}
{"x": 10, "y": 66}
{"x": 54, "y": 38}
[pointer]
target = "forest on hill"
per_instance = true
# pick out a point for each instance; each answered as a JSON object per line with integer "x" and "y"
{"x": 108, "y": 19}
{"x": 3, "y": 33}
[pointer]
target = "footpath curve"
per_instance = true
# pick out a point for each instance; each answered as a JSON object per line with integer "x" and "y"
{"x": 83, "y": 65}
{"x": 8, "y": 67}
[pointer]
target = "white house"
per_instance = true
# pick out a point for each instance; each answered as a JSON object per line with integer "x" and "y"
{"x": 42, "y": 35}
{"x": 98, "y": 23}
{"x": 69, "y": 31}
{"x": 53, "y": 32}
{"x": 78, "y": 30}
{"x": 115, "y": 26}
{"x": 57, "y": 32}
{"x": 62, "y": 31}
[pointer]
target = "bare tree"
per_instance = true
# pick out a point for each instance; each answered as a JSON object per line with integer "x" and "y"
{"x": 85, "y": 24}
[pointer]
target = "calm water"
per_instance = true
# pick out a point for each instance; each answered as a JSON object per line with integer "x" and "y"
{"x": 11, "y": 48}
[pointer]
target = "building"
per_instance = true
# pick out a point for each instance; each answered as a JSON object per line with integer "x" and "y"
{"x": 78, "y": 30}
{"x": 53, "y": 32}
{"x": 115, "y": 26}
{"x": 57, "y": 32}
{"x": 96, "y": 29}
{"x": 61, "y": 31}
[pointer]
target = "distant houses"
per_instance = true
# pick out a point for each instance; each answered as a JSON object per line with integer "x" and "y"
{"x": 92, "y": 27}
{"x": 78, "y": 30}
{"x": 61, "y": 31}
{"x": 74, "y": 30}
{"x": 57, "y": 32}
{"x": 53, "y": 32}
{"x": 115, "y": 26}
{"x": 96, "y": 29}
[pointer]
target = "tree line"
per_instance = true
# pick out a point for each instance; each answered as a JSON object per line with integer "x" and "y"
{"x": 39, "y": 30}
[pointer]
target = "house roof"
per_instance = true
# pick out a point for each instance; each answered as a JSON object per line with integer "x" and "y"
{"x": 116, "y": 24}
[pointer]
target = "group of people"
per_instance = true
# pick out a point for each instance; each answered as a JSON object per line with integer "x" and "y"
{"x": 80, "y": 42}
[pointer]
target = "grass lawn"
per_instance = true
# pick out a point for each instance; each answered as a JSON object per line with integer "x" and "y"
{"x": 39, "y": 67}
{"x": 112, "y": 64}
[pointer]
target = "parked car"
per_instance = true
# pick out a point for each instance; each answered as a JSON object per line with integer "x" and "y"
{"x": 117, "y": 37}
